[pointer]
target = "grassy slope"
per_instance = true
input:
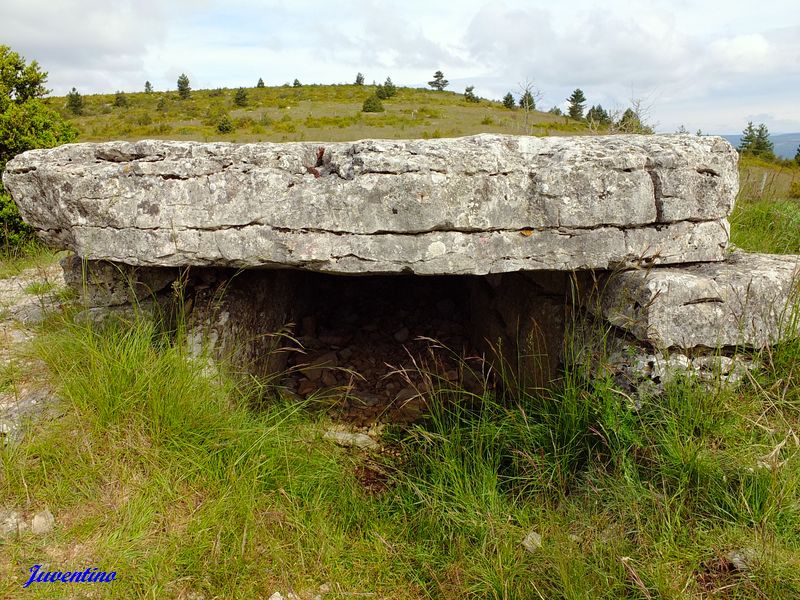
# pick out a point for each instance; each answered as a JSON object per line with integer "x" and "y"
{"x": 313, "y": 112}
{"x": 167, "y": 476}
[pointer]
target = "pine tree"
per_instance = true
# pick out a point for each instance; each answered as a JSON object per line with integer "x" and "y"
{"x": 75, "y": 102}
{"x": 508, "y": 100}
{"x": 359, "y": 79}
{"x": 296, "y": 83}
{"x": 526, "y": 101}
{"x": 755, "y": 141}
{"x": 469, "y": 94}
{"x": 764, "y": 147}
{"x": 555, "y": 111}
{"x": 598, "y": 115}
{"x": 389, "y": 87}
{"x": 260, "y": 83}
{"x": 576, "y": 102}
{"x": 797, "y": 156}
{"x": 439, "y": 82}
{"x": 183, "y": 87}
{"x": 148, "y": 87}
{"x": 240, "y": 98}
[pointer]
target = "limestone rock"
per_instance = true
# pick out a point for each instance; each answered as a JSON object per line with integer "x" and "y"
{"x": 11, "y": 523}
{"x": 42, "y": 522}
{"x": 476, "y": 205}
{"x": 532, "y": 542}
{"x": 101, "y": 283}
{"x": 748, "y": 300}
{"x": 349, "y": 439}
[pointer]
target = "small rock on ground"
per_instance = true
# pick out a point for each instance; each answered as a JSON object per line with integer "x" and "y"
{"x": 43, "y": 522}
{"x": 348, "y": 440}
{"x": 532, "y": 542}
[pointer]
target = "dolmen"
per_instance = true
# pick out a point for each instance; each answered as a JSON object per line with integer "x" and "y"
{"x": 627, "y": 233}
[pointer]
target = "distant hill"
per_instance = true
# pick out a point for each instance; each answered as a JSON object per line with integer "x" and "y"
{"x": 785, "y": 144}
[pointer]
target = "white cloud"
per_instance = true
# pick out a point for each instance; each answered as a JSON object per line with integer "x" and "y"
{"x": 712, "y": 62}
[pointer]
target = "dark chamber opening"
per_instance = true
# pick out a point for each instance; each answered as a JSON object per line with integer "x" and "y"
{"x": 374, "y": 345}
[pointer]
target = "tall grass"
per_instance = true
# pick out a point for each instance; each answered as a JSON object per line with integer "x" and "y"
{"x": 169, "y": 476}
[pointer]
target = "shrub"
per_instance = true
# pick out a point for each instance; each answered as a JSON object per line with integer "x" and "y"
{"x": 794, "y": 189}
{"x": 240, "y": 98}
{"x": 26, "y": 122}
{"x": 75, "y": 102}
{"x": 120, "y": 100}
{"x": 469, "y": 94}
{"x": 225, "y": 125}
{"x": 372, "y": 104}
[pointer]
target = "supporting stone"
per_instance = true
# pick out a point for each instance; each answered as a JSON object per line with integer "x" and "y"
{"x": 240, "y": 318}
{"x": 750, "y": 300}
{"x": 519, "y": 323}
{"x": 103, "y": 284}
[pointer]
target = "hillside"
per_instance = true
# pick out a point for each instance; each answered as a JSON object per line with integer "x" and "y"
{"x": 309, "y": 112}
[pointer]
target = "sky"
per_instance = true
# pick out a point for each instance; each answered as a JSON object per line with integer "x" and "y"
{"x": 711, "y": 65}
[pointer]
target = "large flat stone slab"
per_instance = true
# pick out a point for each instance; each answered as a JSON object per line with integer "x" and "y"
{"x": 748, "y": 300}
{"x": 476, "y": 205}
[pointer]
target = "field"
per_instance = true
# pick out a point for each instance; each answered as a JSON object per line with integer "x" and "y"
{"x": 312, "y": 112}
{"x": 193, "y": 485}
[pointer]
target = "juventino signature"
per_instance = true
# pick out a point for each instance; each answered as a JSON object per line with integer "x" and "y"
{"x": 90, "y": 575}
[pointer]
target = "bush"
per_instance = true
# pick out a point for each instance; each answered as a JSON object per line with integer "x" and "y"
{"x": 26, "y": 122}
{"x": 794, "y": 189}
{"x": 120, "y": 100}
{"x": 372, "y": 104}
{"x": 240, "y": 99}
{"x": 225, "y": 125}
{"x": 75, "y": 102}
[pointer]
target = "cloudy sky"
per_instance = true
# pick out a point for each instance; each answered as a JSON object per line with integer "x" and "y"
{"x": 707, "y": 64}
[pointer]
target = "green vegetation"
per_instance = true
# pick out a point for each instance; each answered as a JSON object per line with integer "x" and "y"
{"x": 508, "y": 101}
{"x": 240, "y": 97}
{"x": 755, "y": 141}
{"x": 309, "y": 112}
{"x": 439, "y": 82}
{"x": 526, "y": 101}
{"x": 26, "y": 122}
{"x": 187, "y": 483}
{"x": 576, "y": 103}
{"x": 372, "y": 104}
{"x": 767, "y": 213}
{"x": 184, "y": 89}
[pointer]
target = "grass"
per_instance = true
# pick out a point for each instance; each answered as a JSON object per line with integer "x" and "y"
{"x": 766, "y": 217}
{"x": 170, "y": 477}
{"x": 190, "y": 484}
{"x": 311, "y": 112}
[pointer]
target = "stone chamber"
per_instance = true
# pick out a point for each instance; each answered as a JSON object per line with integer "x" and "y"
{"x": 363, "y": 274}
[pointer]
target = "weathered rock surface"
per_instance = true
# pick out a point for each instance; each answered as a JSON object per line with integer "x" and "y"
{"x": 101, "y": 283}
{"x": 748, "y": 300}
{"x": 476, "y": 205}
